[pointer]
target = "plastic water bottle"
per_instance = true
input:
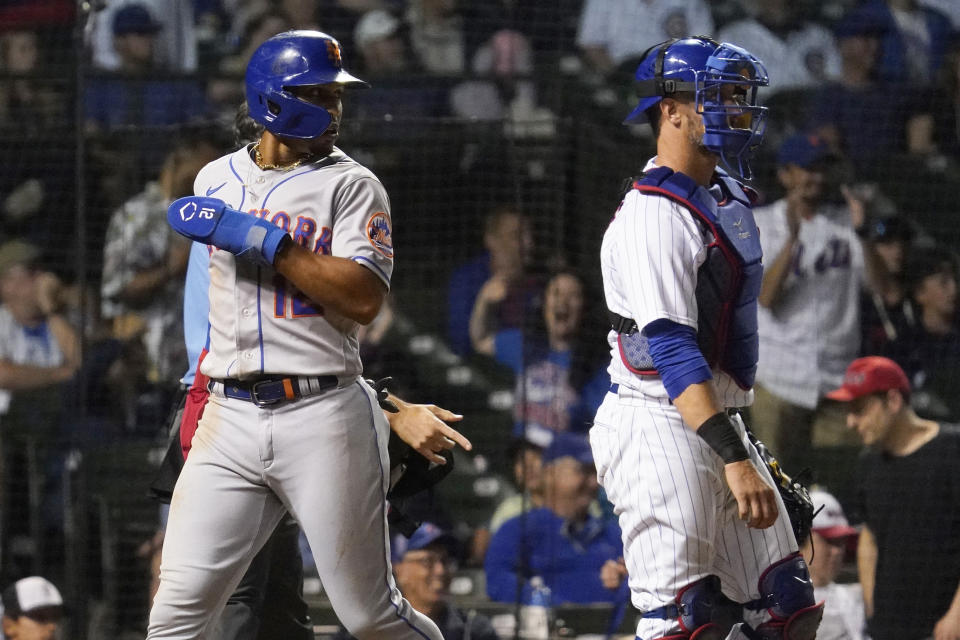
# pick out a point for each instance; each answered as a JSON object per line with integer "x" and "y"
{"x": 535, "y": 615}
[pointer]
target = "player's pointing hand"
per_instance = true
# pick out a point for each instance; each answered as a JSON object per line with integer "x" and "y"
{"x": 424, "y": 428}
{"x": 756, "y": 500}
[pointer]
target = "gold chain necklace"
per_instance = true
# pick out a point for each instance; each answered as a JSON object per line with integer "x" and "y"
{"x": 257, "y": 158}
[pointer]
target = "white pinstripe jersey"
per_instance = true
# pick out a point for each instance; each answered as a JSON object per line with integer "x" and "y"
{"x": 259, "y": 323}
{"x": 649, "y": 257}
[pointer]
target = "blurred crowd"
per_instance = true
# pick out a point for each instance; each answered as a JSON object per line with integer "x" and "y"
{"x": 857, "y": 181}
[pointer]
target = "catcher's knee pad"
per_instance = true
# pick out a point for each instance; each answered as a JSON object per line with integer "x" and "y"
{"x": 786, "y": 592}
{"x": 702, "y": 610}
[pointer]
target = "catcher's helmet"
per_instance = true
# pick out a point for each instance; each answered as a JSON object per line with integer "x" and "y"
{"x": 293, "y": 59}
{"x": 724, "y": 80}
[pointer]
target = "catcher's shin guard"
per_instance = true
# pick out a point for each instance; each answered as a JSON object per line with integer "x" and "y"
{"x": 702, "y": 610}
{"x": 786, "y": 592}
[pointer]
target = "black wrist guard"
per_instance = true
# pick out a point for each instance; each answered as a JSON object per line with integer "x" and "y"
{"x": 720, "y": 433}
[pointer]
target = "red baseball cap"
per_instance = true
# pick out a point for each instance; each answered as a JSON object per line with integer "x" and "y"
{"x": 872, "y": 374}
{"x": 830, "y": 521}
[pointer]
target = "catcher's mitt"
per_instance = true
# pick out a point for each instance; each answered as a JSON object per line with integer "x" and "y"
{"x": 795, "y": 496}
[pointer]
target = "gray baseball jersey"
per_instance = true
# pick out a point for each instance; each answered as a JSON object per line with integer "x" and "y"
{"x": 322, "y": 457}
{"x": 259, "y": 323}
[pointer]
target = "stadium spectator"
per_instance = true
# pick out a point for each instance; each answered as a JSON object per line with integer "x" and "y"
{"x": 175, "y": 43}
{"x": 948, "y": 8}
{"x": 824, "y": 552}
{"x": 389, "y": 62}
{"x": 501, "y": 273}
{"x": 29, "y": 98}
{"x": 613, "y": 32}
{"x": 39, "y": 352}
{"x": 550, "y": 27}
{"x": 526, "y": 454}
{"x": 379, "y": 39}
{"x": 134, "y": 96}
{"x": 561, "y": 377}
{"x": 258, "y": 28}
{"x": 937, "y": 133}
{"x": 35, "y": 126}
{"x": 526, "y": 458}
{"x": 886, "y": 312}
{"x": 225, "y": 90}
{"x": 423, "y": 566}
{"x": 908, "y": 552}
{"x": 929, "y": 349}
{"x": 561, "y": 542}
{"x": 38, "y": 347}
{"x": 914, "y": 42}
{"x": 796, "y": 52}
{"x": 142, "y": 287}
{"x": 504, "y": 88}
{"x": 436, "y": 33}
{"x": 809, "y": 318}
{"x": 32, "y": 610}
{"x": 860, "y": 114}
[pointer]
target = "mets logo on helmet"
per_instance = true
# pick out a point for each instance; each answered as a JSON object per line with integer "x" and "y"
{"x": 333, "y": 52}
{"x": 380, "y": 234}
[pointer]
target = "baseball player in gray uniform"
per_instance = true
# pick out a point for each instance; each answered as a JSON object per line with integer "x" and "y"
{"x": 708, "y": 546}
{"x": 302, "y": 255}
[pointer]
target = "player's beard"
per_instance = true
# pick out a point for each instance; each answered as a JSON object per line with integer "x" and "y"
{"x": 322, "y": 146}
{"x": 695, "y": 135}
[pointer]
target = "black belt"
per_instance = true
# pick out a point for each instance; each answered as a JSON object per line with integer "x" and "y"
{"x": 267, "y": 391}
{"x": 621, "y": 324}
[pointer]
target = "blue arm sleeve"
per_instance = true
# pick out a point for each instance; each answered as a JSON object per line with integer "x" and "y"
{"x": 676, "y": 356}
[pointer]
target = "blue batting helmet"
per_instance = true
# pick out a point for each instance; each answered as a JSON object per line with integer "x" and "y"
{"x": 724, "y": 80}
{"x": 293, "y": 59}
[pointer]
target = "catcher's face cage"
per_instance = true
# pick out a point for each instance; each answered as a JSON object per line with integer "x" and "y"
{"x": 293, "y": 59}
{"x": 726, "y": 97}
{"x": 724, "y": 79}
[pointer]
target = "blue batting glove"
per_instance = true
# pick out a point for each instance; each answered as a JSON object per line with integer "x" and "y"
{"x": 211, "y": 221}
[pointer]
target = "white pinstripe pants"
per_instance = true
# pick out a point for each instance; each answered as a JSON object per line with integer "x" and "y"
{"x": 678, "y": 517}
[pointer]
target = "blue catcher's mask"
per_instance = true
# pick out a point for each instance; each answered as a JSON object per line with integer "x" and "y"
{"x": 724, "y": 80}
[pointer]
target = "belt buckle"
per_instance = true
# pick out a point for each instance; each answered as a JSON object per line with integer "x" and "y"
{"x": 255, "y": 399}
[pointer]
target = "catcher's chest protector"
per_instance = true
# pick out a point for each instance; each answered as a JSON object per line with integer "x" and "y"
{"x": 728, "y": 282}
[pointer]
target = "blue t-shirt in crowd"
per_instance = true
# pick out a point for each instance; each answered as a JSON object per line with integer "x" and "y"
{"x": 568, "y": 558}
{"x": 465, "y": 284}
{"x": 544, "y": 400}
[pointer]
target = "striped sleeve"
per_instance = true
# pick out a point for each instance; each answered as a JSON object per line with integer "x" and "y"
{"x": 661, "y": 248}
